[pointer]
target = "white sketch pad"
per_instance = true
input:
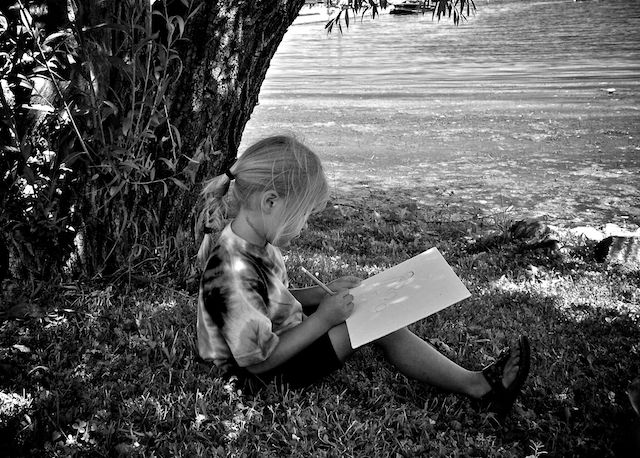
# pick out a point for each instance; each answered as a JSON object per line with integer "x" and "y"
{"x": 401, "y": 295}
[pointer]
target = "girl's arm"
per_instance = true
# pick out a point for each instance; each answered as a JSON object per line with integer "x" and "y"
{"x": 308, "y": 296}
{"x": 313, "y": 295}
{"x": 332, "y": 311}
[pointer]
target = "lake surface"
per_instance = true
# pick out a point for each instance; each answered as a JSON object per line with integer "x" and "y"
{"x": 529, "y": 107}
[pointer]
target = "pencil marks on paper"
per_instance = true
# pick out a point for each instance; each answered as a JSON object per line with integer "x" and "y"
{"x": 390, "y": 292}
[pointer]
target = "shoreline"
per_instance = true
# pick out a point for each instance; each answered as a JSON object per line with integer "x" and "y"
{"x": 535, "y": 122}
{"x": 573, "y": 164}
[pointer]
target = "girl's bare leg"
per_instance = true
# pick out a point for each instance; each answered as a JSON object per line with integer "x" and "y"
{"x": 417, "y": 359}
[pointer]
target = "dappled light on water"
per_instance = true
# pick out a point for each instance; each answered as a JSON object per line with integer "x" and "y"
{"x": 507, "y": 49}
{"x": 529, "y": 109}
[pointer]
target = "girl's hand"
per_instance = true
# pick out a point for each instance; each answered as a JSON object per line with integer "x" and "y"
{"x": 333, "y": 310}
{"x": 340, "y": 284}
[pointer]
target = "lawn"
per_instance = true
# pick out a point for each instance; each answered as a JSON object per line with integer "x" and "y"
{"x": 108, "y": 370}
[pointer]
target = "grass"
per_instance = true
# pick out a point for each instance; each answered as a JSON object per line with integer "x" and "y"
{"x": 105, "y": 372}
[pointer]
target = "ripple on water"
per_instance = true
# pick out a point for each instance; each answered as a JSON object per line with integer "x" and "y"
{"x": 512, "y": 108}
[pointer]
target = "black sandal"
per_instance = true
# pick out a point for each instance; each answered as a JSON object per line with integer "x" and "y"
{"x": 500, "y": 399}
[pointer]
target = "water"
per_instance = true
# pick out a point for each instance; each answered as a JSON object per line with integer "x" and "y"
{"x": 507, "y": 46}
{"x": 548, "y": 90}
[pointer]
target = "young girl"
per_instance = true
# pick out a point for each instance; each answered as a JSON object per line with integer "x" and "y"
{"x": 251, "y": 324}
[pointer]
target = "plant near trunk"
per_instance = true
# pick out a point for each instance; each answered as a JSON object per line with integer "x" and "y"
{"x": 112, "y": 114}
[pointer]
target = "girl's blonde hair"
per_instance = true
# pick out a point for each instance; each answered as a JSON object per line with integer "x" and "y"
{"x": 280, "y": 163}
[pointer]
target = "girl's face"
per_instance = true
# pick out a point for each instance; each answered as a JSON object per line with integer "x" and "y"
{"x": 284, "y": 219}
{"x": 281, "y": 227}
{"x": 283, "y": 233}
{"x": 291, "y": 226}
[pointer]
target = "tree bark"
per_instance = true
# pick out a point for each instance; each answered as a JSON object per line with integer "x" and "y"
{"x": 224, "y": 55}
{"x": 229, "y": 49}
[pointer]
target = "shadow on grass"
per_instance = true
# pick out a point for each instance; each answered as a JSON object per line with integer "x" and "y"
{"x": 583, "y": 359}
{"x": 116, "y": 373}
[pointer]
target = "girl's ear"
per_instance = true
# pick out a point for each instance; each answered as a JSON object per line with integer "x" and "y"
{"x": 269, "y": 201}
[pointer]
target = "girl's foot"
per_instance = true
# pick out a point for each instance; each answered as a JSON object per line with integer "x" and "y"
{"x": 501, "y": 382}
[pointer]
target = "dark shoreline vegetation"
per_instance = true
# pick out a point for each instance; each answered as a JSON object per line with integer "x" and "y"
{"x": 111, "y": 370}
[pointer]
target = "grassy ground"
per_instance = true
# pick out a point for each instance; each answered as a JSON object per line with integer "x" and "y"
{"x": 107, "y": 372}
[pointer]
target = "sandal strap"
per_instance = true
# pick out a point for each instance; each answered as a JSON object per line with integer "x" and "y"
{"x": 493, "y": 372}
{"x": 500, "y": 399}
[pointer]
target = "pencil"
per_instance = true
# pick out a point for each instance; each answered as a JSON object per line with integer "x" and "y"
{"x": 318, "y": 282}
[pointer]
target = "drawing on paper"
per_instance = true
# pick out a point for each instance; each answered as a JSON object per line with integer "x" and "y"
{"x": 388, "y": 293}
{"x": 404, "y": 294}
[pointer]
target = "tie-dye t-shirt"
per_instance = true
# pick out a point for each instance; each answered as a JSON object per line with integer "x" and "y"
{"x": 244, "y": 302}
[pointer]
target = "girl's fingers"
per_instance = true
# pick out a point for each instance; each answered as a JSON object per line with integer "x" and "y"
{"x": 345, "y": 283}
{"x": 349, "y": 308}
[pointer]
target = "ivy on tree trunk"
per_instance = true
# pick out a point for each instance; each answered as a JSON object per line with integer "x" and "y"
{"x": 120, "y": 84}
{"x": 115, "y": 112}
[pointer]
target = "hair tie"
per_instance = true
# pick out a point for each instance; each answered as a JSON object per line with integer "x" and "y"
{"x": 230, "y": 175}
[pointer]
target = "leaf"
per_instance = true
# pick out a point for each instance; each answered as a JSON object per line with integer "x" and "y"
{"x": 180, "y": 22}
{"x": 26, "y": 151}
{"x": 127, "y": 122}
{"x": 4, "y": 25}
{"x": 26, "y": 19}
{"x": 24, "y": 309}
{"x": 143, "y": 44}
{"x": 106, "y": 25}
{"x": 28, "y": 174}
{"x": 112, "y": 106}
{"x": 24, "y": 81}
{"x": 22, "y": 348}
{"x": 113, "y": 190}
{"x": 131, "y": 164}
{"x": 169, "y": 163}
{"x": 195, "y": 11}
{"x": 179, "y": 184}
{"x": 176, "y": 136}
{"x": 11, "y": 149}
{"x": 155, "y": 120}
{"x": 39, "y": 69}
{"x": 54, "y": 36}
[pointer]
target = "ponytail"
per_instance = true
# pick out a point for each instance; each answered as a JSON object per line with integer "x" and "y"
{"x": 280, "y": 163}
{"x": 213, "y": 216}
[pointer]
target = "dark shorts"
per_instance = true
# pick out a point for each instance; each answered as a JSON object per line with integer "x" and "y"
{"x": 313, "y": 363}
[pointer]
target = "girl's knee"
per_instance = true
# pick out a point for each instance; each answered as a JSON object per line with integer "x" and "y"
{"x": 339, "y": 336}
{"x": 392, "y": 339}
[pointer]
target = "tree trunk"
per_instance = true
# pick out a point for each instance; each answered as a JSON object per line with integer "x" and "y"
{"x": 225, "y": 54}
{"x": 230, "y": 46}
{"x": 121, "y": 198}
